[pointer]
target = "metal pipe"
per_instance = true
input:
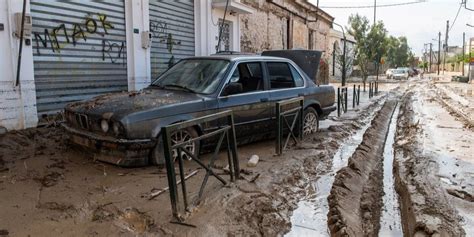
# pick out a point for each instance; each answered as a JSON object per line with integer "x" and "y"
{"x": 222, "y": 28}
{"x": 18, "y": 68}
{"x": 343, "y": 80}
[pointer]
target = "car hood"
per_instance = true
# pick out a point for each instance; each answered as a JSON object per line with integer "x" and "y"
{"x": 122, "y": 104}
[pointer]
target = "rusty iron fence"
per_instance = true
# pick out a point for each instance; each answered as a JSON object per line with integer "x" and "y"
{"x": 373, "y": 88}
{"x": 295, "y": 114}
{"x": 341, "y": 100}
{"x": 226, "y": 131}
{"x": 355, "y": 96}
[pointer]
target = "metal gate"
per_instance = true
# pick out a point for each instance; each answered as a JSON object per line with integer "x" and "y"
{"x": 79, "y": 50}
{"x": 172, "y": 28}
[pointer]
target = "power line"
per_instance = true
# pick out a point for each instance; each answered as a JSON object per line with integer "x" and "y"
{"x": 372, "y": 6}
{"x": 455, "y": 18}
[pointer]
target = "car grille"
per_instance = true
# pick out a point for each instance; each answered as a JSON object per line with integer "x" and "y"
{"x": 83, "y": 121}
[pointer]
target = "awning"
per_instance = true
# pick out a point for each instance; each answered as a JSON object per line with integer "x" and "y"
{"x": 234, "y": 6}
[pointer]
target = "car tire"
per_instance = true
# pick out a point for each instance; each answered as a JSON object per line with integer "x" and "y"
{"x": 310, "y": 121}
{"x": 157, "y": 156}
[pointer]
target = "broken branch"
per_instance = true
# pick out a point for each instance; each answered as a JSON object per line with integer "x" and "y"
{"x": 157, "y": 193}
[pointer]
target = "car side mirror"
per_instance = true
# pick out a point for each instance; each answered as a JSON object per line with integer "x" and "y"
{"x": 232, "y": 88}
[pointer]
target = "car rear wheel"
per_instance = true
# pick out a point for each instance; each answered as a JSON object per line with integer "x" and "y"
{"x": 158, "y": 157}
{"x": 310, "y": 121}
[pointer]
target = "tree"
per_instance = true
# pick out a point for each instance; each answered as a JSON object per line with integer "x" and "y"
{"x": 370, "y": 42}
{"x": 398, "y": 52}
{"x": 349, "y": 59}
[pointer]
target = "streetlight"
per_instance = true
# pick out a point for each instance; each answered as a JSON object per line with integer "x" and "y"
{"x": 343, "y": 80}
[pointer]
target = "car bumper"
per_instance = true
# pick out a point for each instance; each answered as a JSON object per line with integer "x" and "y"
{"x": 121, "y": 152}
{"x": 328, "y": 110}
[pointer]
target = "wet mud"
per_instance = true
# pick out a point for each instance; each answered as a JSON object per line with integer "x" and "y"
{"x": 355, "y": 201}
{"x": 425, "y": 208}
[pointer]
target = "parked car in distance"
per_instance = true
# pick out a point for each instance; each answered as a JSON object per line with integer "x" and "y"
{"x": 124, "y": 128}
{"x": 389, "y": 73}
{"x": 399, "y": 74}
{"x": 410, "y": 71}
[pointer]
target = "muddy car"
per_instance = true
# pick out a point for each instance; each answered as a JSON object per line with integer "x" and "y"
{"x": 124, "y": 128}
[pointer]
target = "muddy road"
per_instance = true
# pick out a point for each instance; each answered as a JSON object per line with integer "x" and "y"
{"x": 399, "y": 164}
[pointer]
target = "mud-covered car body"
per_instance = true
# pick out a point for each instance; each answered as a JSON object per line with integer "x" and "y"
{"x": 134, "y": 119}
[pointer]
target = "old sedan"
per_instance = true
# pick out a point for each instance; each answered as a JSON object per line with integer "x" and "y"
{"x": 124, "y": 128}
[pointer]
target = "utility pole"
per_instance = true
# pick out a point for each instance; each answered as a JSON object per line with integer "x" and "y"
{"x": 439, "y": 50}
{"x": 463, "y": 50}
{"x": 375, "y": 10}
{"x": 445, "y": 46}
{"x": 431, "y": 60}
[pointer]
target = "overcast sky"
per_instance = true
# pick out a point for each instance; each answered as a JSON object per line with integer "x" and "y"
{"x": 419, "y": 22}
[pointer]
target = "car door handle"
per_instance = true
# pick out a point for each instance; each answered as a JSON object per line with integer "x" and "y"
{"x": 264, "y": 100}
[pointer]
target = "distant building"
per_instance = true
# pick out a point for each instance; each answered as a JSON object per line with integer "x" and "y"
{"x": 336, "y": 41}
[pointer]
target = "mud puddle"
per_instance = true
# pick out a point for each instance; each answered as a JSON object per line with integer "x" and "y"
{"x": 310, "y": 217}
{"x": 390, "y": 221}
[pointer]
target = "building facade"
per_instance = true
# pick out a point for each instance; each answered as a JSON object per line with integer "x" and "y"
{"x": 78, "y": 49}
{"x": 336, "y": 40}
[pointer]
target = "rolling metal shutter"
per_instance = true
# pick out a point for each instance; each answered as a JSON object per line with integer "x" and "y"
{"x": 79, "y": 50}
{"x": 172, "y": 28}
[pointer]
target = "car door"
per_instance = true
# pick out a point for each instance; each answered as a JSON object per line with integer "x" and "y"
{"x": 285, "y": 82}
{"x": 251, "y": 106}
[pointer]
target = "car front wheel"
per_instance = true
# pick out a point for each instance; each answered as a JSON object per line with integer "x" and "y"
{"x": 180, "y": 136}
{"x": 310, "y": 121}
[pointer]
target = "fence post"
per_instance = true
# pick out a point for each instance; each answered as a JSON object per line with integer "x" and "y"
{"x": 338, "y": 102}
{"x": 233, "y": 146}
{"x": 358, "y": 94}
{"x": 354, "y": 96}
{"x": 279, "y": 132}
{"x": 345, "y": 100}
{"x": 170, "y": 171}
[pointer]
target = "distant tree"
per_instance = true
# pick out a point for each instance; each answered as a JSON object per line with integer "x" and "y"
{"x": 349, "y": 59}
{"x": 398, "y": 52}
{"x": 370, "y": 42}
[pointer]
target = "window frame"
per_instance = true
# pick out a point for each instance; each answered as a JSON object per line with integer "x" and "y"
{"x": 290, "y": 64}
{"x": 235, "y": 67}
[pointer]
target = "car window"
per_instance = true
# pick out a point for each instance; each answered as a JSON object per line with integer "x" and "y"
{"x": 297, "y": 77}
{"x": 194, "y": 75}
{"x": 280, "y": 75}
{"x": 249, "y": 75}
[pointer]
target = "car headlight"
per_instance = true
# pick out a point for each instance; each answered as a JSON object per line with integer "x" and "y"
{"x": 117, "y": 128}
{"x": 104, "y": 124}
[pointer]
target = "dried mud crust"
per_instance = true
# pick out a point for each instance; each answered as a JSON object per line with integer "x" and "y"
{"x": 425, "y": 208}
{"x": 28, "y": 143}
{"x": 355, "y": 200}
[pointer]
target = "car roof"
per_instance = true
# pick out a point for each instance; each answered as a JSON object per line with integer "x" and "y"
{"x": 239, "y": 57}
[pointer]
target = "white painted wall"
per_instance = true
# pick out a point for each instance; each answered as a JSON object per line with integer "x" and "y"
{"x": 17, "y": 103}
{"x": 207, "y": 28}
{"x": 138, "y": 58}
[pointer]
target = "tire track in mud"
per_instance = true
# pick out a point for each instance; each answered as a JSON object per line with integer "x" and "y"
{"x": 355, "y": 201}
{"x": 425, "y": 209}
{"x": 265, "y": 207}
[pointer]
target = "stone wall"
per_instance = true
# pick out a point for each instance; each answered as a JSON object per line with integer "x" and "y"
{"x": 285, "y": 24}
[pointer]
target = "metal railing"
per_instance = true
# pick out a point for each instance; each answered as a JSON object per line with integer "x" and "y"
{"x": 355, "y": 96}
{"x": 341, "y": 100}
{"x": 373, "y": 88}
{"x": 227, "y": 131}
{"x": 282, "y": 115}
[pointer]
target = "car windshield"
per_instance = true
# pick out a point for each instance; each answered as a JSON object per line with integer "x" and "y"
{"x": 399, "y": 71}
{"x": 193, "y": 75}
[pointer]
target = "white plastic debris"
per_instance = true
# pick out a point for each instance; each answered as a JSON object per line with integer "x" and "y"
{"x": 253, "y": 161}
